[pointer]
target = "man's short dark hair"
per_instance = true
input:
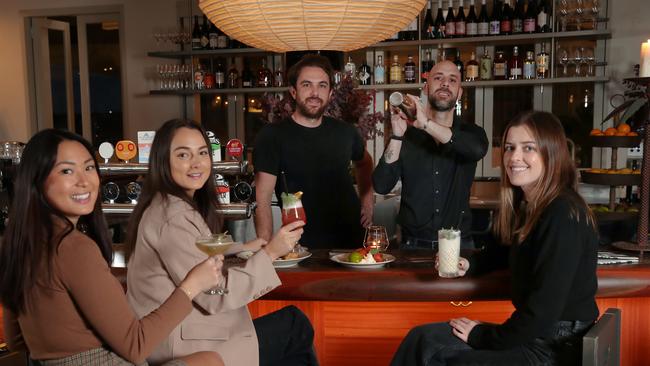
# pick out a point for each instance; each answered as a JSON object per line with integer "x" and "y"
{"x": 314, "y": 61}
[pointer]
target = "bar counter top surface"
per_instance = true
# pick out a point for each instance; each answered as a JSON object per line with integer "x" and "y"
{"x": 412, "y": 277}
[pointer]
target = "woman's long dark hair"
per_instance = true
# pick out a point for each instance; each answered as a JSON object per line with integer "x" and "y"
{"x": 30, "y": 239}
{"x": 159, "y": 180}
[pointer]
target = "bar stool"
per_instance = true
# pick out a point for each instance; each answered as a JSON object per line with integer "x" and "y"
{"x": 602, "y": 344}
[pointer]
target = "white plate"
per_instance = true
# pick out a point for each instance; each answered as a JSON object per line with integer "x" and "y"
{"x": 285, "y": 263}
{"x": 342, "y": 259}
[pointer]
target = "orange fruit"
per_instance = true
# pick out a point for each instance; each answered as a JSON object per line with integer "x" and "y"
{"x": 624, "y": 128}
{"x": 595, "y": 132}
{"x": 632, "y": 134}
{"x": 620, "y": 133}
{"x": 610, "y": 131}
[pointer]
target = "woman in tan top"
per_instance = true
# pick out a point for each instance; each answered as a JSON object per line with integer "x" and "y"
{"x": 178, "y": 204}
{"x": 60, "y": 299}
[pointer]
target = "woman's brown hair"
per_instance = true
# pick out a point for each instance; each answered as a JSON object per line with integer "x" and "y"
{"x": 516, "y": 218}
{"x": 159, "y": 180}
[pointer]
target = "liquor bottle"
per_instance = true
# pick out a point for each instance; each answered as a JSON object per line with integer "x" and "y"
{"x": 506, "y": 18}
{"x": 471, "y": 68}
{"x": 543, "y": 17}
{"x": 471, "y": 25}
{"x": 461, "y": 23}
{"x": 485, "y": 71}
{"x": 233, "y": 75}
{"x": 278, "y": 77}
{"x": 442, "y": 54}
{"x": 542, "y": 63}
{"x": 380, "y": 71}
{"x": 395, "y": 71}
{"x": 515, "y": 65}
{"x": 439, "y": 24}
{"x": 529, "y": 65}
{"x": 495, "y": 21}
{"x": 220, "y": 75}
{"x": 205, "y": 34}
{"x": 264, "y": 75}
{"x": 247, "y": 79}
{"x": 483, "y": 20}
{"x": 412, "y": 34}
{"x": 213, "y": 36}
{"x": 500, "y": 66}
{"x": 365, "y": 74}
{"x": 450, "y": 29}
{"x": 428, "y": 30}
{"x": 518, "y": 18}
{"x": 351, "y": 68}
{"x": 459, "y": 63}
{"x": 531, "y": 17}
{"x": 222, "y": 39}
{"x": 196, "y": 34}
{"x": 427, "y": 64}
{"x": 199, "y": 74}
{"x": 410, "y": 71}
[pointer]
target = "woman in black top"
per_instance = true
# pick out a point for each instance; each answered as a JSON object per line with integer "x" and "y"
{"x": 553, "y": 249}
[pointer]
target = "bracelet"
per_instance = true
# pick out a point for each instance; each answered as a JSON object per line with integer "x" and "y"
{"x": 398, "y": 138}
{"x": 186, "y": 291}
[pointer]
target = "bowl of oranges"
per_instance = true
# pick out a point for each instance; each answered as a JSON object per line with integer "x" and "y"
{"x": 619, "y": 136}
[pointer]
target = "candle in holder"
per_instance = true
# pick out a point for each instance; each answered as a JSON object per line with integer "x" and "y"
{"x": 644, "y": 70}
{"x": 376, "y": 238}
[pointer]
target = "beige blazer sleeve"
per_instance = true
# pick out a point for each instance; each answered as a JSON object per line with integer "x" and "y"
{"x": 179, "y": 255}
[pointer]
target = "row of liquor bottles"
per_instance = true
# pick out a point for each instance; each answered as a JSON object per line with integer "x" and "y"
{"x": 524, "y": 16}
{"x": 228, "y": 76}
{"x": 209, "y": 37}
{"x": 518, "y": 65}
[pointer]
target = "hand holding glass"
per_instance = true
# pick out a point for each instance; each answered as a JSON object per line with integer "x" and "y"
{"x": 213, "y": 245}
{"x": 292, "y": 211}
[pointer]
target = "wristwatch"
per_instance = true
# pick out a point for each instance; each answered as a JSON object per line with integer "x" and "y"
{"x": 399, "y": 138}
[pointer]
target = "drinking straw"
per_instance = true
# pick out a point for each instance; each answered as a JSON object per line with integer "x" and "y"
{"x": 284, "y": 182}
{"x": 460, "y": 219}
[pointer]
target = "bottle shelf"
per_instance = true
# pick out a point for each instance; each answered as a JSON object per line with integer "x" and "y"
{"x": 489, "y": 83}
{"x": 220, "y": 91}
{"x": 615, "y": 141}
{"x": 610, "y": 179}
{"x": 217, "y": 52}
{"x": 223, "y": 167}
{"x": 229, "y": 211}
{"x": 501, "y": 39}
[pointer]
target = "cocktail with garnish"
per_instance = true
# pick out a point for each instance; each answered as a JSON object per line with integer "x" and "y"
{"x": 292, "y": 209}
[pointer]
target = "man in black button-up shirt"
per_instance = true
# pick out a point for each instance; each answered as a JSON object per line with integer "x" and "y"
{"x": 436, "y": 159}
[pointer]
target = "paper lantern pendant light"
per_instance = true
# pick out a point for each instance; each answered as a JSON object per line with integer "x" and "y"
{"x": 295, "y": 25}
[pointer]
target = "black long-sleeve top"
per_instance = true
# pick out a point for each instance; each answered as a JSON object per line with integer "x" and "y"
{"x": 553, "y": 277}
{"x": 436, "y": 178}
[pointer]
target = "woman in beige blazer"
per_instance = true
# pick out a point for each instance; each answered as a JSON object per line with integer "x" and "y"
{"x": 178, "y": 204}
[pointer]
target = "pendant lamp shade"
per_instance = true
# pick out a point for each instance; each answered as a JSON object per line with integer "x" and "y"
{"x": 297, "y": 25}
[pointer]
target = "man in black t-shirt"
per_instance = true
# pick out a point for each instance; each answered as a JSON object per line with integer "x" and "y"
{"x": 314, "y": 153}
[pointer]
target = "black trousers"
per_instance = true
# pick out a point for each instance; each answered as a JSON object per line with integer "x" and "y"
{"x": 434, "y": 344}
{"x": 286, "y": 338}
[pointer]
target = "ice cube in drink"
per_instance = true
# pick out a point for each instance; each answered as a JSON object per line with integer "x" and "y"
{"x": 448, "y": 253}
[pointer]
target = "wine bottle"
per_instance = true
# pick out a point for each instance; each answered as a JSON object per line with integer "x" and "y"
{"x": 365, "y": 74}
{"x": 531, "y": 17}
{"x": 247, "y": 79}
{"x": 459, "y": 64}
{"x": 233, "y": 75}
{"x": 380, "y": 71}
{"x": 542, "y": 63}
{"x": 483, "y": 20}
{"x": 439, "y": 24}
{"x": 500, "y": 66}
{"x": 518, "y": 17}
{"x": 205, "y": 34}
{"x": 471, "y": 25}
{"x": 264, "y": 75}
{"x": 396, "y": 71}
{"x": 506, "y": 18}
{"x": 471, "y": 68}
{"x": 428, "y": 30}
{"x": 451, "y": 21}
{"x": 212, "y": 36}
{"x": 220, "y": 75}
{"x": 543, "y": 17}
{"x": 410, "y": 71}
{"x": 461, "y": 24}
{"x": 515, "y": 66}
{"x": 495, "y": 21}
{"x": 196, "y": 34}
{"x": 427, "y": 64}
{"x": 485, "y": 71}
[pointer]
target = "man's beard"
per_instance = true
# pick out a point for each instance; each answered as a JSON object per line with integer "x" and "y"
{"x": 305, "y": 111}
{"x": 442, "y": 106}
